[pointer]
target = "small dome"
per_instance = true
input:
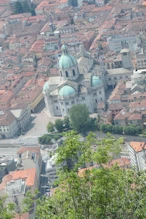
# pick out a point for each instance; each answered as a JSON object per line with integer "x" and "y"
{"x": 64, "y": 48}
{"x": 66, "y": 60}
{"x": 66, "y": 91}
{"x": 46, "y": 87}
{"x": 95, "y": 81}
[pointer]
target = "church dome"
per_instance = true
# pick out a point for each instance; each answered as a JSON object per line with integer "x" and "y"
{"x": 46, "y": 87}
{"x": 95, "y": 81}
{"x": 66, "y": 60}
{"x": 66, "y": 91}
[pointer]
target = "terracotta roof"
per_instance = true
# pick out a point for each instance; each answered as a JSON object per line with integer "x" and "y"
{"x": 138, "y": 104}
{"x": 23, "y": 216}
{"x": 121, "y": 162}
{"x": 135, "y": 116}
{"x": 28, "y": 175}
{"x": 115, "y": 106}
{"x": 6, "y": 117}
{"x": 101, "y": 105}
{"x": 122, "y": 115}
{"x": 104, "y": 8}
{"x": 138, "y": 146}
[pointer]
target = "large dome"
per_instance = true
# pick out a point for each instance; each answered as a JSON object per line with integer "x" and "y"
{"x": 66, "y": 91}
{"x": 95, "y": 81}
{"x": 66, "y": 60}
{"x": 46, "y": 87}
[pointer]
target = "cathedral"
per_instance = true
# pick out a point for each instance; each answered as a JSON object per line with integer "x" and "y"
{"x": 72, "y": 86}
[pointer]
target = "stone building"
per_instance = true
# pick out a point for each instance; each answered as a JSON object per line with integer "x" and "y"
{"x": 72, "y": 87}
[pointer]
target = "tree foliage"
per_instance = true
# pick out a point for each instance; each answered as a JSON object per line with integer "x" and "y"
{"x": 18, "y": 8}
{"x": 99, "y": 192}
{"x": 23, "y": 8}
{"x": 50, "y": 127}
{"x": 106, "y": 128}
{"x": 7, "y": 210}
{"x": 45, "y": 139}
{"x": 59, "y": 125}
{"x": 115, "y": 129}
{"x": 79, "y": 116}
{"x": 66, "y": 122}
{"x": 132, "y": 130}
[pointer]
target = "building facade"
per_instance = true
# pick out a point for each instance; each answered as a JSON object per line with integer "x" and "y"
{"x": 137, "y": 152}
{"x": 71, "y": 87}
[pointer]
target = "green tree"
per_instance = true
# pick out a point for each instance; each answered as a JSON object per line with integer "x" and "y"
{"x": 50, "y": 127}
{"x": 26, "y": 7}
{"x": 132, "y": 130}
{"x": 92, "y": 124}
{"x": 45, "y": 139}
{"x": 33, "y": 12}
{"x": 99, "y": 192}
{"x": 106, "y": 128}
{"x": 117, "y": 129}
{"x": 7, "y": 210}
{"x": 18, "y": 8}
{"x": 59, "y": 125}
{"x": 79, "y": 116}
{"x": 66, "y": 122}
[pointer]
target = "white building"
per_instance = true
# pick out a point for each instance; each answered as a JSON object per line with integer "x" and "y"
{"x": 119, "y": 42}
{"x": 72, "y": 87}
{"x": 137, "y": 153}
{"x": 14, "y": 120}
{"x": 30, "y": 157}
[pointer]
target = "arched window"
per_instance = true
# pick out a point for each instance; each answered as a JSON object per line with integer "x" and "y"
{"x": 66, "y": 74}
{"x": 73, "y": 72}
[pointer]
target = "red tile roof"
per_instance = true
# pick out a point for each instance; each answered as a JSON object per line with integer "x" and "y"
{"x": 138, "y": 146}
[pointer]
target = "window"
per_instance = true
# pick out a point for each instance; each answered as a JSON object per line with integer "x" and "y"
{"x": 115, "y": 78}
{"x": 74, "y": 72}
{"x": 61, "y": 73}
{"x": 99, "y": 92}
{"x": 94, "y": 94}
{"x": 109, "y": 79}
{"x": 96, "y": 101}
{"x": 66, "y": 73}
{"x": 68, "y": 110}
{"x": 66, "y": 103}
{"x": 55, "y": 101}
{"x": 57, "y": 107}
{"x": 101, "y": 99}
{"x": 83, "y": 98}
{"x": 72, "y": 102}
{"x": 62, "y": 103}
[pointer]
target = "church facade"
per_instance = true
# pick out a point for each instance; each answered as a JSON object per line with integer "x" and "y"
{"x": 72, "y": 87}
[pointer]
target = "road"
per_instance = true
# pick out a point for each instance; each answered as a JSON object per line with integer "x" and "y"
{"x": 36, "y": 128}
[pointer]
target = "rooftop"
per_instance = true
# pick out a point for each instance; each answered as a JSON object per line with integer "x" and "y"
{"x": 138, "y": 146}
